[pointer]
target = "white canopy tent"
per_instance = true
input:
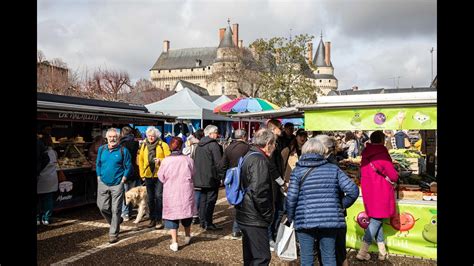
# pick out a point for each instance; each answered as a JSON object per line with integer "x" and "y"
{"x": 186, "y": 104}
{"x": 221, "y": 100}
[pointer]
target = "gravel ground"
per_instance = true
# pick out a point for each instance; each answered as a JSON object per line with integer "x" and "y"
{"x": 80, "y": 236}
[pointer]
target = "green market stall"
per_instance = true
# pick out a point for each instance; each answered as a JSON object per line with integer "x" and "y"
{"x": 414, "y": 230}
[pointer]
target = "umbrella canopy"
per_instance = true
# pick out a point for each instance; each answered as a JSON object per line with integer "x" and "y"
{"x": 243, "y": 105}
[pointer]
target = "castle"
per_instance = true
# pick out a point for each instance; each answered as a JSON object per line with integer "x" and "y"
{"x": 197, "y": 65}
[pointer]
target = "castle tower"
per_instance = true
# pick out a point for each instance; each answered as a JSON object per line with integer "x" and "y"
{"x": 324, "y": 73}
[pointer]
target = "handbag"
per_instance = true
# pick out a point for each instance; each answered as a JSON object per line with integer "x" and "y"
{"x": 394, "y": 185}
{"x": 286, "y": 242}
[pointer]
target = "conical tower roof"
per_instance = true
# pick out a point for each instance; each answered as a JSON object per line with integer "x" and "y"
{"x": 320, "y": 56}
{"x": 227, "y": 40}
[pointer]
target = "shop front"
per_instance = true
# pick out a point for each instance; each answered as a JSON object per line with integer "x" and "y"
{"x": 73, "y": 123}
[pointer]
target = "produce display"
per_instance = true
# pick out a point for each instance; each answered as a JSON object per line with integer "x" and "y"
{"x": 71, "y": 155}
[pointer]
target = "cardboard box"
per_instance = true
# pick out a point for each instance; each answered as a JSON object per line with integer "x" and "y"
{"x": 410, "y": 195}
{"x": 414, "y": 165}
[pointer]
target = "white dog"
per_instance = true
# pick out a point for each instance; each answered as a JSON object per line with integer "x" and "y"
{"x": 138, "y": 196}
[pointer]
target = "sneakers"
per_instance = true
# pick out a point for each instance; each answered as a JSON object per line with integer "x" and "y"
{"x": 113, "y": 239}
{"x": 213, "y": 227}
{"x": 196, "y": 220}
{"x": 187, "y": 239}
{"x": 38, "y": 222}
{"x": 160, "y": 226}
{"x": 174, "y": 247}
{"x": 45, "y": 222}
{"x": 126, "y": 218}
{"x": 236, "y": 235}
{"x": 152, "y": 223}
{"x": 272, "y": 245}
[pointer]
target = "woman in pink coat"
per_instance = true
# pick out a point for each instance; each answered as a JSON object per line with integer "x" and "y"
{"x": 377, "y": 174}
{"x": 176, "y": 173}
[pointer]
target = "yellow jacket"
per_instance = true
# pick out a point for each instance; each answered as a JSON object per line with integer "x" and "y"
{"x": 162, "y": 150}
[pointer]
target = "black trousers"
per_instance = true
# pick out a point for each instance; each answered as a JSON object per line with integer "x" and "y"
{"x": 341, "y": 251}
{"x": 207, "y": 205}
{"x": 255, "y": 245}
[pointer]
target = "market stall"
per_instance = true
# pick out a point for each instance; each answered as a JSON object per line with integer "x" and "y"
{"x": 73, "y": 122}
{"x": 413, "y": 231}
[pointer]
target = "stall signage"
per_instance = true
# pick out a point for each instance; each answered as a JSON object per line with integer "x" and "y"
{"x": 372, "y": 119}
{"x": 76, "y": 116}
{"x": 413, "y": 231}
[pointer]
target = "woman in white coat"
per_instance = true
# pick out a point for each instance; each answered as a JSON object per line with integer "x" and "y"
{"x": 47, "y": 184}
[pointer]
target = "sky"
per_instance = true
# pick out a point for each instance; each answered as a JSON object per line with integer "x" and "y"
{"x": 374, "y": 43}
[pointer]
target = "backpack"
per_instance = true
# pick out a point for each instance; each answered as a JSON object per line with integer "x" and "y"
{"x": 234, "y": 190}
{"x": 104, "y": 147}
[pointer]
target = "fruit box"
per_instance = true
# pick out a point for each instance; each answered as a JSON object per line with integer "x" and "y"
{"x": 413, "y": 165}
{"x": 410, "y": 195}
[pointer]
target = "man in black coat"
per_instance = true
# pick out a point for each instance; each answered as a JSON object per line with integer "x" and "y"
{"x": 127, "y": 140}
{"x": 236, "y": 149}
{"x": 208, "y": 175}
{"x": 255, "y": 213}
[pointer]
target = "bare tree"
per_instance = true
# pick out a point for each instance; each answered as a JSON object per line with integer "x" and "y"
{"x": 144, "y": 85}
{"x": 40, "y": 56}
{"x": 107, "y": 84}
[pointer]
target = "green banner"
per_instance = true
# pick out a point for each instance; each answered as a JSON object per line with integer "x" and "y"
{"x": 372, "y": 119}
{"x": 412, "y": 232}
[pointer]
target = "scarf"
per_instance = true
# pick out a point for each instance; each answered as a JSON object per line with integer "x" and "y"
{"x": 151, "y": 154}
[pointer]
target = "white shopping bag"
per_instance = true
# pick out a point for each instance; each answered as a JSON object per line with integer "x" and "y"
{"x": 286, "y": 242}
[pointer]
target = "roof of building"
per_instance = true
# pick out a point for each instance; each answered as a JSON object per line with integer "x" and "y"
{"x": 324, "y": 76}
{"x": 227, "y": 41}
{"x": 185, "y": 58}
{"x": 195, "y": 88}
{"x": 384, "y": 90}
{"x": 320, "y": 56}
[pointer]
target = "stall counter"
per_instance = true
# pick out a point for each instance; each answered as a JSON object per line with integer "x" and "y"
{"x": 412, "y": 232}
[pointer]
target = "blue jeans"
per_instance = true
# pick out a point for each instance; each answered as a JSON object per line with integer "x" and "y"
{"x": 197, "y": 198}
{"x": 154, "y": 189}
{"x": 127, "y": 209}
{"x": 327, "y": 245}
{"x": 374, "y": 231}
{"x": 235, "y": 225}
{"x": 45, "y": 206}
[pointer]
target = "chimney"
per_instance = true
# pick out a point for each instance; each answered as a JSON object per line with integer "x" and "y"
{"x": 241, "y": 43}
{"x": 235, "y": 34}
{"x": 355, "y": 88}
{"x": 310, "y": 53}
{"x": 166, "y": 46}
{"x": 221, "y": 34}
{"x": 328, "y": 53}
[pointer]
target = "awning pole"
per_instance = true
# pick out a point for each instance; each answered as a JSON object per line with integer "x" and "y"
{"x": 248, "y": 133}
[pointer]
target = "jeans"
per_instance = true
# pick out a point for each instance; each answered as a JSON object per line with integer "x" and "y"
{"x": 327, "y": 245}
{"x": 127, "y": 209}
{"x": 207, "y": 205}
{"x": 374, "y": 231}
{"x": 45, "y": 206}
{"x": 154, "y": 189}
{"x": 197, "y": 198}
{"x": 235, "y": 225}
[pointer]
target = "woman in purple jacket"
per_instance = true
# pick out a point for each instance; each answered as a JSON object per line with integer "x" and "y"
{"x": 377, "y": 173}
{"x": 176, "y": 173}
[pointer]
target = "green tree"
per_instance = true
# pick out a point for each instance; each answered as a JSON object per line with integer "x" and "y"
{"x": 283, "y": 70}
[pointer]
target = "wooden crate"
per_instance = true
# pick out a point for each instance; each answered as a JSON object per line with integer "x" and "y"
{"x": 410, "y": 195}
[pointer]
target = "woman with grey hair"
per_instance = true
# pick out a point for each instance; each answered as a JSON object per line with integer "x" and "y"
{"x": 152, "y": 152}
{"x": 315, "y": 204}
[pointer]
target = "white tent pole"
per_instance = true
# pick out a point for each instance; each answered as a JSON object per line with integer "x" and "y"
{"x": 248, "y": 133}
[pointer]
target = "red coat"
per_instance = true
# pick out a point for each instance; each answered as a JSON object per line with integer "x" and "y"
{"x": 377, "y": 193}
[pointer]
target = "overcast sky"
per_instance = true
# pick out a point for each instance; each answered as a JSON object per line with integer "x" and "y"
{"x": 372, "y": 41}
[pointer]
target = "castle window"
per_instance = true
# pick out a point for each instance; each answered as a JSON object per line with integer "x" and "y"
{"x": 167, "y": 86}
{"x": 180, "y": 70}
{"x": 191, "y": 69}
{"x": 329, "y": 81}
{"x": 318, "y": 71}
{"x": 223, "y": 64}
{"x": 158, "y": 71}
{"x": 320, "y": 81}
{"x": 209, "y": 68}
{"x": 203, "y": 69}
{"x": 170, "y": 70}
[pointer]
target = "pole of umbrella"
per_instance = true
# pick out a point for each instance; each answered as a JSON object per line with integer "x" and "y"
{"x": 248, "y": 133}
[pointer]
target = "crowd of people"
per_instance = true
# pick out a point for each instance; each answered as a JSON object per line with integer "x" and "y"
{"x": 288, "y": 176}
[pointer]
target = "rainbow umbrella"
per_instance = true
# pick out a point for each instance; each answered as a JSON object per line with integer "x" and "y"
{"x": 245, "y": 105}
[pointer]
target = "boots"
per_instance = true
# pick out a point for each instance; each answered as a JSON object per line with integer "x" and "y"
{"x": 383, "y": 255}
{"x": 362, "y": 254}
{"x": 152, "y": 223}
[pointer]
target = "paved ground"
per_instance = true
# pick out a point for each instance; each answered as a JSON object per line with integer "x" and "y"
{"x": 80, "y": 236}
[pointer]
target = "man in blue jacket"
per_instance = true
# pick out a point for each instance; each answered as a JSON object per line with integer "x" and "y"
{"x": 114, "y": 166}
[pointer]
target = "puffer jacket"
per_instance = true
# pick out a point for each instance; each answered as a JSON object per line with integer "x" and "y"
{"x": 256, "y": 209}
{"x": 318, "y": 203}
{"x": 207, "y": 156}
{"x": 162, "y": 150}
